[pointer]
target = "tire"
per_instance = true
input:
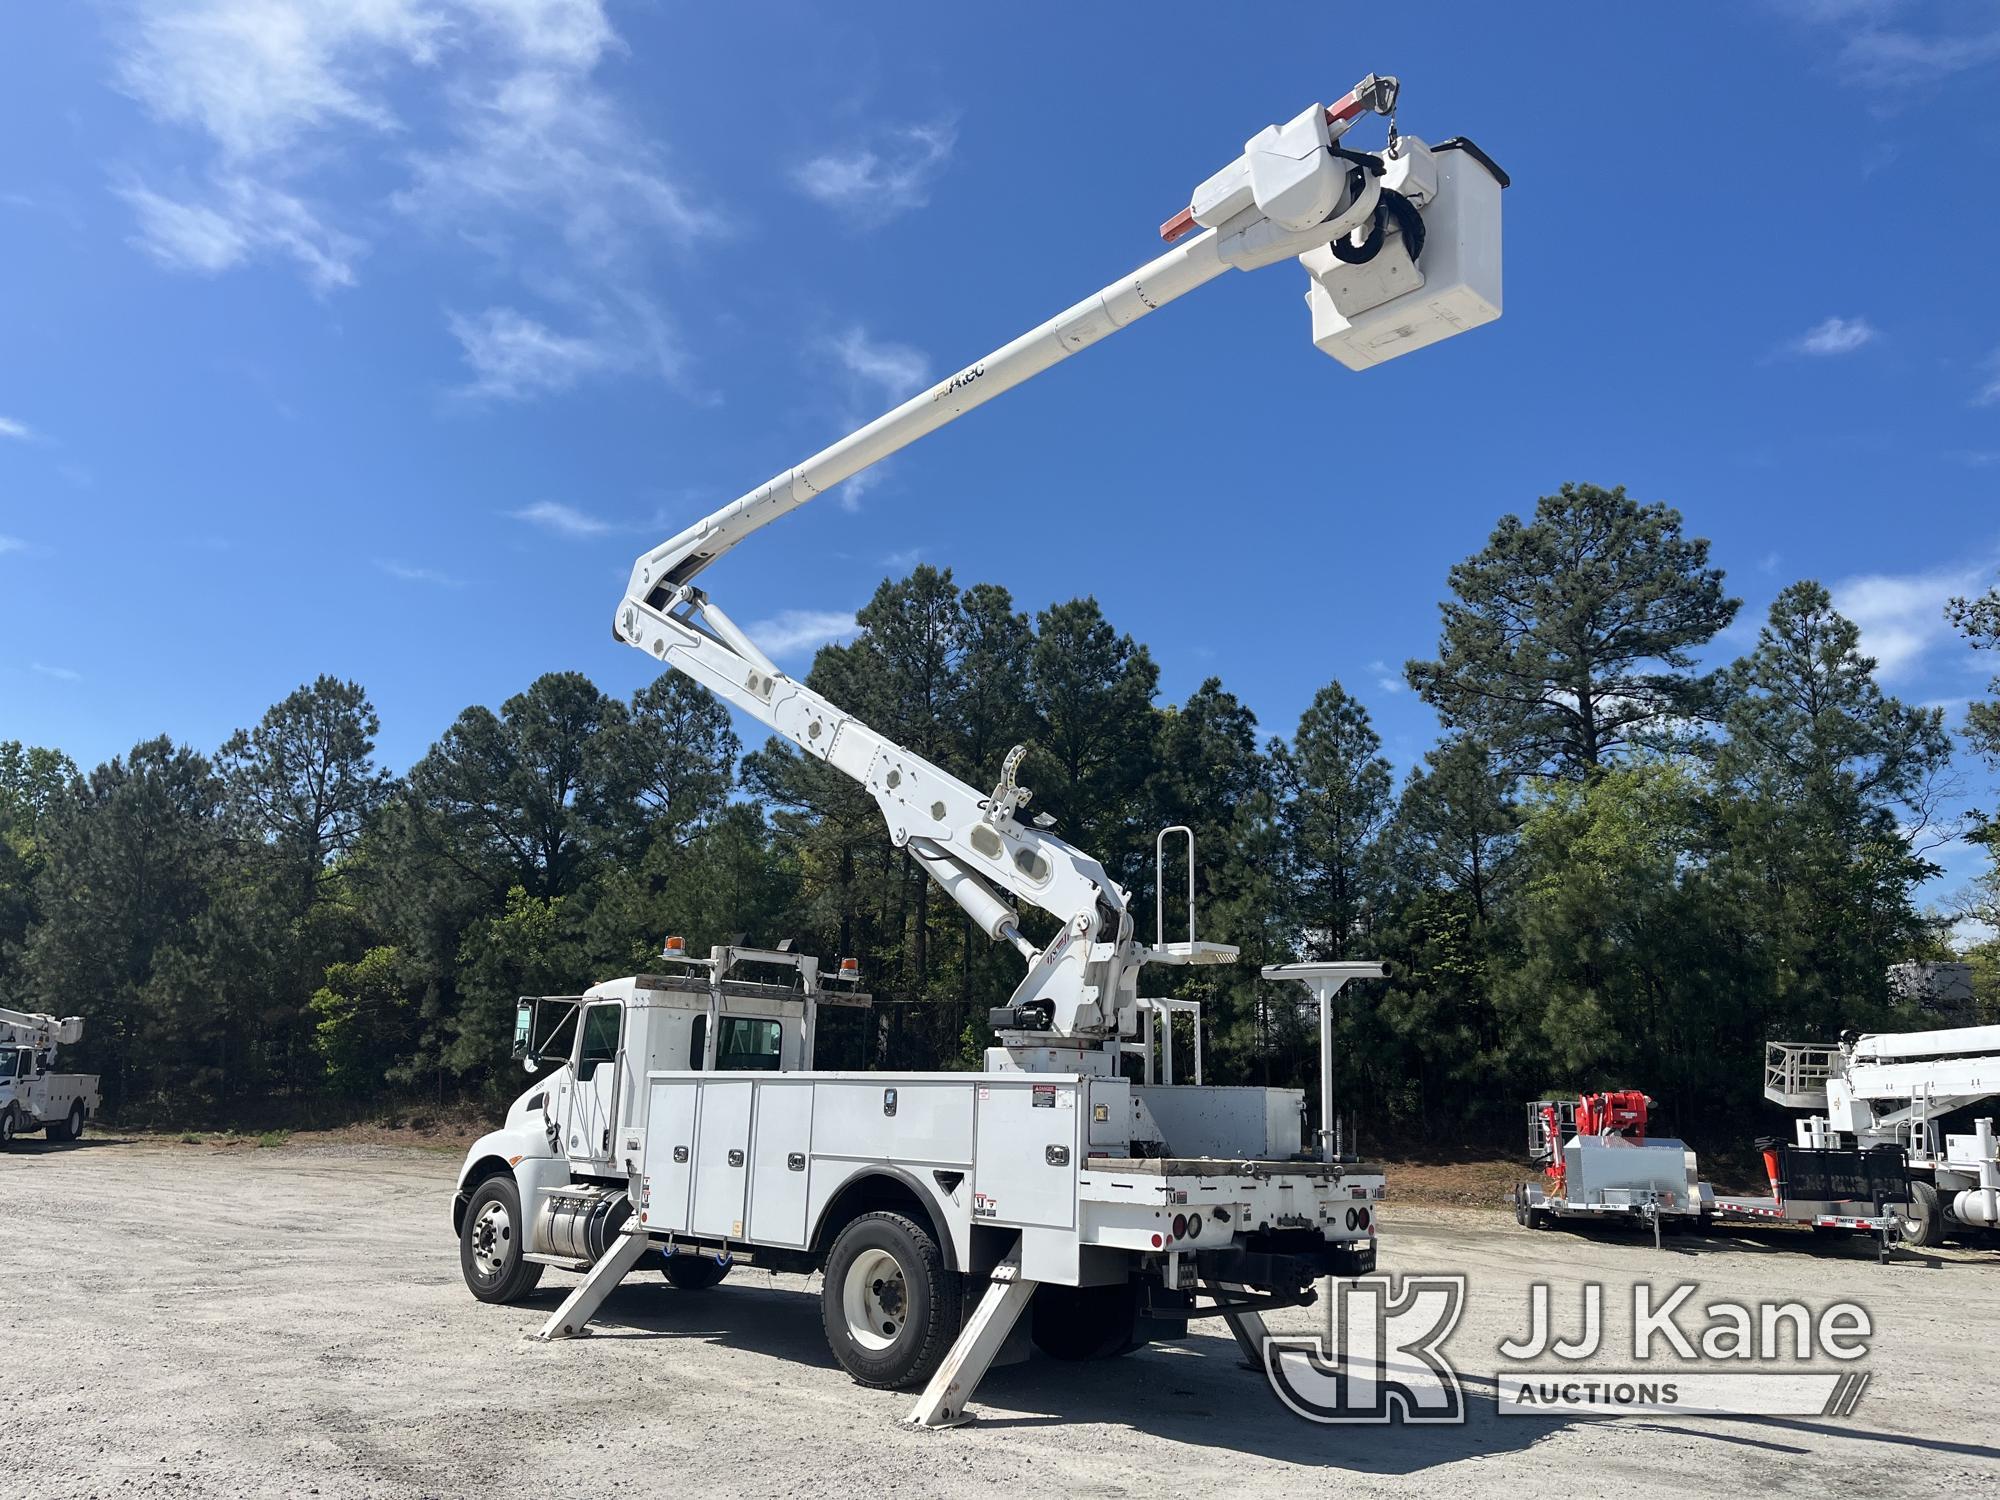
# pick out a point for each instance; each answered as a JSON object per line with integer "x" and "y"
{"x": 889, "y": 1305}
{"x": 1074, "y": 1323}
{"x": 1923, "y": 1224}
{"x": 70, "y": 1129}
{"x": 693, "y": 1273}
{"x": 10, "y": 1126}
{"x": 491, "y": 1242}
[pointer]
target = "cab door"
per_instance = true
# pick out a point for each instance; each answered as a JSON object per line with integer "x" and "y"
{"x": 593, "y": 1097}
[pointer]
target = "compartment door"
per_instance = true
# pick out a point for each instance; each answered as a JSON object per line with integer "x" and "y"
{"x": 780, "y": 1162}
{"x": 670, "y": 1153}
{"x": 1024, "y": 1169}
{"x": 722, "y": 1159}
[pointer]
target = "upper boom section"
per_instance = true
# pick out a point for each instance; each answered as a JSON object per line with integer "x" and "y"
{"x": 1360, "y": 222}
{"x": 1402, "y": 249}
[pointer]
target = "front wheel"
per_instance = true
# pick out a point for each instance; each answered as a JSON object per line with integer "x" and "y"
{"x": 10, "y": 1126}
{"x": 889, "y": 1304}
{"x": 490, "y": 1244}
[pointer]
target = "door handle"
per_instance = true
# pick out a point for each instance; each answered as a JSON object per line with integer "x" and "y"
{"x": 736, "y": 1158}
{"x": 796, "y": 1161}
{"x": 680, "y": 1153}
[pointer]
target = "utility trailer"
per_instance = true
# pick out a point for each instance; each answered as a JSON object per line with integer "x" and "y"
{"x": 32, "y": 1096}
{"x": 1599, "y": 1164}
{"x": 683, "y": 1127}
{"x": 1827, "y": 1190}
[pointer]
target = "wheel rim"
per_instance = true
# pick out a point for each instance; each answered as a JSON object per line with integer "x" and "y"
{"x": 7, "y": 1126}
{"x": 492, "y": 1240}
{"x": 874, "y": 1298}
{"x": 75, "y": 1121}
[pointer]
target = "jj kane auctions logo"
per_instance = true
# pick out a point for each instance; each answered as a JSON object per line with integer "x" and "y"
{"x": 1383, "y": 1357}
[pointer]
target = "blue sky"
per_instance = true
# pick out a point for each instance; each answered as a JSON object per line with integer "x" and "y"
{"x": 375, "y": 337}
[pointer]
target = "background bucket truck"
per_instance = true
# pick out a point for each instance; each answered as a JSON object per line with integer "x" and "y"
{"x": 32, "y": 1097}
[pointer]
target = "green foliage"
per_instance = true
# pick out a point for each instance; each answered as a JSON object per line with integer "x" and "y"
{"x": 1825, "y": 785}
{"x": 1569, "y": 639}
{"x": 1335, "y": 791}
{"x": 1978, "y": 620}
{"x": 1581, "y": 885}
{"x": 363, "y": 1017}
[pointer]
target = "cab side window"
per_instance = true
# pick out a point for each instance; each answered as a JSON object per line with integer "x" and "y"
{"x": 747, "y": 1044}
{"x": 600, "y": 1037}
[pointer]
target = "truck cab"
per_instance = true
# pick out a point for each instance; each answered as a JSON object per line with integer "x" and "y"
{"x": 554, "y": 1175}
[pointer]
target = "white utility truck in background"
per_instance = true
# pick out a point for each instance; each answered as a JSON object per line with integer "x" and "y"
{"x": 682, "y": 1114}
{"x": 1913, "y": 1089}
{"x": 31, "y": 1096}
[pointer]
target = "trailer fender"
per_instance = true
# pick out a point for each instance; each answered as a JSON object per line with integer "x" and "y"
{"x": 884, "y": 1187}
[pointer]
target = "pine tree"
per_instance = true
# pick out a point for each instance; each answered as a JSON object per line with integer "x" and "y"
{"x": 1569, "y": 639}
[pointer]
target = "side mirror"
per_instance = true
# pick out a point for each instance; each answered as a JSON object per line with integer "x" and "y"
{"x": 529, "y": 1065}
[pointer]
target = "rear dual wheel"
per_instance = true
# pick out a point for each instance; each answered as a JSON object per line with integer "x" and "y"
{"x": 70, "y": 1129}
{"x": 1086, "y": 1322}
{"x": 693, "y": 1273}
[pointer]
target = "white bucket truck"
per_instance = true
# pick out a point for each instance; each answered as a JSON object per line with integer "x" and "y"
{"x": 32, "y": 1095}
{"x": 682, "y": 1113}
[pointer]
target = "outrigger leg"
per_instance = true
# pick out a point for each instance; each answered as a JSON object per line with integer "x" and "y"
{"x": 942, "y": 1403}
{"x": 1246, "y": 1323}
{"x": 581, "y": 1305}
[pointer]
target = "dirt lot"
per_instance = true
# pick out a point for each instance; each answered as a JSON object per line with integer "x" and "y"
{"x": 192, "y": 1321}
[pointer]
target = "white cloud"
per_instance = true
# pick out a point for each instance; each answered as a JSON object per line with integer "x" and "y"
{"x": 259, "y": 76}
{"x": 406, "y": 573}
{"x": 907, "y": 558}
{"x": 877, "y": 373}
{"x": 792, "y": 632}
{"x": 1901, "y": 615}
{"x": 542, "y": 142}
{"x": 513, "y": 355}
{"x": 491, "y": 112}
{"x": 234, "y": 219}
{"x": 564, "y": 520}
{"x": 1989, "y": 393}
{"x": 1386, "y": 677}
{"x": 20, "y": 431}
{"x": 1894, "y": 58}
{"x": 12, "y": 544}
{"x": 1835, "y": 336}
{"x": 1879, "y": 50}
{"x": 61, "y": 674}
{"x": 873, "y": 181}
{"x": 896, "y": 371}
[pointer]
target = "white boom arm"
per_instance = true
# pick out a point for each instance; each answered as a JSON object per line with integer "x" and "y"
{"x": 1291, "y": 192}
{"x": 25, "y": 1028}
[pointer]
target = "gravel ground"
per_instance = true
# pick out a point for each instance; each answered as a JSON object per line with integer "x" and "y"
{"x": 192, "y": 1321}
